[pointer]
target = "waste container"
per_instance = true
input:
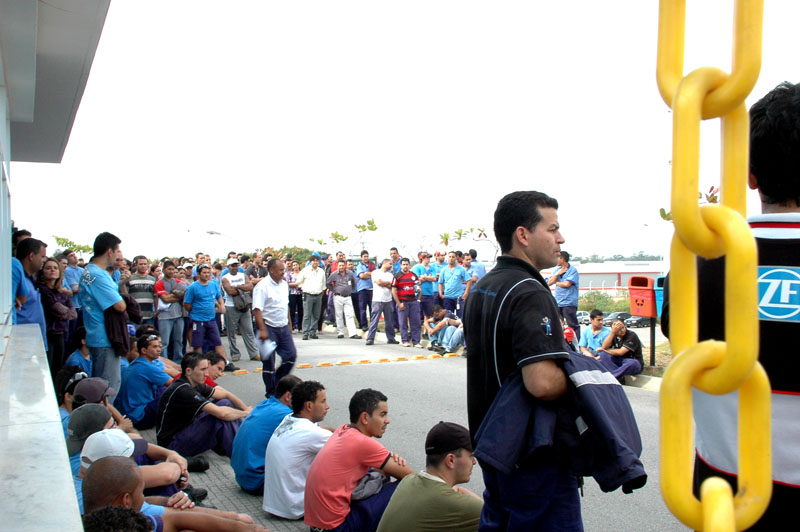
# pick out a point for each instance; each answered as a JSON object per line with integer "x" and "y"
{"x": 642, "y": 296}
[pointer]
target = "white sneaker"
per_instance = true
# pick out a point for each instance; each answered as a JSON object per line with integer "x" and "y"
{"x": 418, "y": 345}
{"x": 406, "y": 344}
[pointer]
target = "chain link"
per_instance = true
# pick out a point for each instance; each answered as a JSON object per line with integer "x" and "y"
{"x": 713, "y": 231}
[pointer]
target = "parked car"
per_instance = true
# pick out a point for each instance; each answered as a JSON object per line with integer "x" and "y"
{"x": 639, "y": 321}
{"x": 583, "y": 317}
{"x": 609, "y": 318}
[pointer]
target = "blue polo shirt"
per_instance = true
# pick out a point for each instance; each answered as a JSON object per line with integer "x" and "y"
{"x": 472, "y": 272}
{"x": 453, "y": 281}
{"x": 76, "y": 359}
{"x": 480, "y": 268}
{"x": 250, "y": 443}
{"x": 568, "y": 297}
{"x": 97, "y": 292}
{"x": 591, "y": 340}
{"x": 139, "y": 387}
{"x": 123, "y": 367}
{"x": 202, "y": 298}
{"x": 397, "y": 265}
{"x": 362, "y": 284}
{"x": 72, "y": 275}
{"x": 429, "y": 288}
{"x": 32, "y": 311}
{"x": 18, "y": 288}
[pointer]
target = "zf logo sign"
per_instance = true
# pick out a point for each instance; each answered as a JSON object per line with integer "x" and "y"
{"x": 779, "y": 293}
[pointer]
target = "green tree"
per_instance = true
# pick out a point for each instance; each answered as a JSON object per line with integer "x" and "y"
{"x": 594, "y": 299}
{"x": 66, "y": 243}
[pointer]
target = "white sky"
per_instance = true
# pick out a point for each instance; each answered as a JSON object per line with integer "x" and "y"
{"x": 274, "y": 122}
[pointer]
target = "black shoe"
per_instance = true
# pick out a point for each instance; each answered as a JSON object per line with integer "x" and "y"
{"x": 197, "y": 464}
{"x": 439, "y": 349}
{"x": 364, "y": 329}
{"x": 392, "y": 341}
{"x": 431, "y": 347}
{"x": 370, "y": 342}
{"x": 340, "y": 336}
{"x": 195, "y": 494}
{"x": 230, "y": 367}
{"x": 305, "y": 337}
{"x": 355, "y": 337}
{"x": 314, "y": 337}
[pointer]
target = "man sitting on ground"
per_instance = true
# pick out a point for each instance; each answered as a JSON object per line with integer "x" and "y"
{"x": 621, "y": 352}
{"x": 144, "y": 383}
{"x": 592, "y": 340}
{"x": 344, "y": 460}
{"x": 292, "y": 448}
{"x": 189, "y": 422}
{"x": 81, "y": 356}
{"x": 95, "y": 390}
{"x": 445, "y": 330}
{"x": 430, "y": 501}
{"x": 253, "y": 435}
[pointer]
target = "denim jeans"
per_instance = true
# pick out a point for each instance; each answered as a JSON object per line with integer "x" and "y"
{"x": 410, "y": 314}
{"x": 105, "y": 364}
{"x": 172, "y": 337}
{"x": 378, "y": 308}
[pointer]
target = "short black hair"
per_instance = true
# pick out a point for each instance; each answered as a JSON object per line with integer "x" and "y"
{"x": 168, "y": 263}
{"x": 473, "y": 254}
{"x": 244, "y": 258}
{"x": 214, "y": 358}
{"x": 302, "y": 392}
{"x": 434, "y": 460}
{"x": 435, "y": 309}
{"x": 775, "y": 144}
{"x": 28, "y": 246}
{"x": 565, "y": 256}
{"x": 405, "y": 259}
{"x": 393, "y": 249}
{"x": 144, "y": 340}
{"x": 145, "y": 329}
{"x": 104, "y": 242}
{"x": 287, "y": 384}
{"x": 517, "y": 209}
{"x": 364, "y": 252}
{"x": 191, "y": 360}
{"x": 365, "y": 400}
{"x": 116, "y": 519}
{"x": 272, "y": 262}
{"x": 62, "y": 384}
{"x": 595, "y": 313}
{"x": 15, "y": 236}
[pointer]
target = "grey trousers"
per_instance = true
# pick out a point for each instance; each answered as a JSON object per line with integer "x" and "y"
{"x": 244, "y": 321}
{"x": 378, "y": 307}
{"x": 312, "y": 304}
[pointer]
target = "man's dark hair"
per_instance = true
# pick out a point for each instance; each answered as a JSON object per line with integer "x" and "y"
{"x": 304, "y": 391}
{"x": 167, "y": 264}
{"x": 775, "y": 144}
{"x": 393, "y": 249}
{"x": 517, "y": 209}
{"x": 137, "y": 257}
{"x": 435, "y": 309}
{"x": 435, "y": 460}
{"x": 16, "y": 235}
{"x": 459, "y": 254}
{"x": 565, "y": 256}
{"x": 104, "y": 242}
{"x": 144, "y": 340}
{"x": 595, "y": 313}
{"x": 287, "y": 384}
{"x": 62, "y": 382}
{"x": 28, "y": 246}
{"x": 365, "y": 400}
{"x": 405, "y": 259}
{"x": 364, "y": 252}
{"x": 116, "y": 519}
{"x": 473, "y": 254}
{"x": 245, "y": 258}
{"x": 191, "y": 360}
{"x": 78, "y": 336}
{"x": 342, "y": 261}
{"x": 214, "y": 358}
{"x": 271, "y": 263}
{"x": 145, "y": 329}
{"x": 615, "y": 320}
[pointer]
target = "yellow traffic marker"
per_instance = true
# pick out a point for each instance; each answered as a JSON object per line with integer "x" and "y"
{"x": 450, "y": 355}
{"x": 383, "y": 360}
{"x": 303, "y": 366}
{"x": 418, "y": 357}
{"x": 324, "y": 365}
{"x": 241, "y": 372}
{"x": 258, "y": 370}
{"x": 344, "y": 363}
{"x": 364, "y": 361}
{"x": 400, "y": 359}
{"x": 435, "y": 355}
{"x": 223, "y": 374}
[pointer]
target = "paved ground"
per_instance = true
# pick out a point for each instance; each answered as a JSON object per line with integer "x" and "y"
{"x": 421, "y": 393}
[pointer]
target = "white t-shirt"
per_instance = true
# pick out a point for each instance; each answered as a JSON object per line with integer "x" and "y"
{"x": 272, "y": 299}
{"x": 380, "y": 293}
{"x": 292, "y": 448}
{"x": 234, "y": 280}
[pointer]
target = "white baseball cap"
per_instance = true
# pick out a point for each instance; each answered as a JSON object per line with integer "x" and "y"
{"x": 110, "y": 442}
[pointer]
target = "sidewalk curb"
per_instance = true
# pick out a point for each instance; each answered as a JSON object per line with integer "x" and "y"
{"x": 646, "y": 382}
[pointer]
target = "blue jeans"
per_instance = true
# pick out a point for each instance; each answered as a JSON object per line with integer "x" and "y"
{"x": 172, "y": 337}
{"x": 286, "y": 350}
{"x": 449, "y": 337}
{"x": 105, "y": 364}
{"x": 410, "y": 314}
{"x": 364, "y": 302}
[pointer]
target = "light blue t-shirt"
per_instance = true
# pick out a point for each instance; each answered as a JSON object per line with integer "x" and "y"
{"x": 152, "y": 509}
{"x": 453, "y": 281}
{"x": 428, "y": 287}
{"x": 32, "y": 311}
{"x": 78, "y": 482}
{"x": 591, "y": 340}
{"x": 65, "y": 420}
{"x": 139, "y": 387}
{"x": 568, "y": 297}
{"x": 123, "y": 367}
{"x": 76, "y": 359}
{"x": 98, "y": 292}
{"x": 18, "y": 288}
{"x": 202, "y": 298}
{"x": 250, "y": 443}
{"x": 362, "y": 284}
{"x": 396, "y": 266}
{"x": 72, "y": 275}
{"x": 472, "y": 273}
{"x": 481, "y": 269}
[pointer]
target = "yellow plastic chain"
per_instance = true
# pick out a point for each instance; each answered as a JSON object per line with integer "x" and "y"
{"x": 712, "y": 231}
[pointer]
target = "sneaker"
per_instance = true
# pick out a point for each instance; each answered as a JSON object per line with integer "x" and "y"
{"x": 230, "y": 367}
{"x": 392, "y": 341}
{"x": 431, "y": 347}
{"x": 197, "y": 464}
{"x": 406, "y": 344}
{"x": 439, "y": 349}
{"x": 236, "y": 359}
{"x": 418, "y": 345}
{"x": 355, "y": 337}
{"x": 195, "y": 494}
{"x": 314, "y": 336}
{"x": 340, "y": 336}
{"x": 370, "y": 342}
{"x": 305, "y": 337}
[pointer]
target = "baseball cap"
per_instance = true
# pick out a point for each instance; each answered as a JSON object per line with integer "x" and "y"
{"x": 84, "y": 422}
{"x": 110, "y": 442}
{"x": 91, "y": 390}
{"x": 232, "y": 261}
{"x": 446, "y": 437}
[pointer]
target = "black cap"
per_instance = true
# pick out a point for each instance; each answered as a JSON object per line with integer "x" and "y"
{"x": 447, "y": 437}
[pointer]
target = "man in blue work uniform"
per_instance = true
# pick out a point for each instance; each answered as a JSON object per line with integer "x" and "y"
{"x": 566, "y": 281}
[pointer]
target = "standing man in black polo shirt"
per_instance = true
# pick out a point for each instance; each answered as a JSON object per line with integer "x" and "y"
{"x": 342, "y": 284}
{"x": 513, "y": 325}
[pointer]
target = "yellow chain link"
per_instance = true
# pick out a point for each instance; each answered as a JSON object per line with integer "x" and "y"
{"x": 712, "y": 231}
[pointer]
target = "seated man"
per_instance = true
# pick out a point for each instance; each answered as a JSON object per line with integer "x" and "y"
{"x": 64, "y": 382}
{"x": 292, "y": 448}
{"x": 188, "y": 421}
{"x": 621, "y": 352}
{"x": 81, "y": 357}
{"x": 344, "y": 460}
{"x": 253, "y": 435}
{"x": 144, "y": 383}
{"x": 592, "y": 339}
{"x": 429, "y": 500}
{"x": 445, "y": 330}
{"x": 95, "y": 390}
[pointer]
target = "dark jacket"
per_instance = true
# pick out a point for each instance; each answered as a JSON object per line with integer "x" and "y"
{"x": 117, "y": 324}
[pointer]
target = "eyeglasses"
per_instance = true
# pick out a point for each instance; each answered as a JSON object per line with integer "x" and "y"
{"x": 75, "y": 379}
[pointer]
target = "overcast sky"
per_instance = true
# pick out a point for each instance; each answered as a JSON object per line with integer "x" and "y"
{"x": 274, "y": 122}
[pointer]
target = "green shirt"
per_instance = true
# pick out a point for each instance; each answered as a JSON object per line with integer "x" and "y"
{"x": 425, "y": 503}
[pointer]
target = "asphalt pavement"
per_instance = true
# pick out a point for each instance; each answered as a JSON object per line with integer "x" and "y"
{"x": 420, "y": 393}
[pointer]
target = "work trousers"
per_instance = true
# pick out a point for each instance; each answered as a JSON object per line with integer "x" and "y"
{"x": 312, "y": 304}
{"x": 244, "y": 322}
{"x": 344, "y": 314}
{"x": 411, "y": 313}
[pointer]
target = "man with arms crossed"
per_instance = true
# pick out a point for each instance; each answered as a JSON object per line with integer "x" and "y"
{"x": 512, "y": 324}
{"x": 293, "y": 446}
{"x": 312, "y": 281}
{"x": 202, "y": 300}
{"x": 382, "y": 303}
{"x": 566, "y": 281}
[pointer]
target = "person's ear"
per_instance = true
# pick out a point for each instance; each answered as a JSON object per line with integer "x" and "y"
{"x": 752, "y": 181}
